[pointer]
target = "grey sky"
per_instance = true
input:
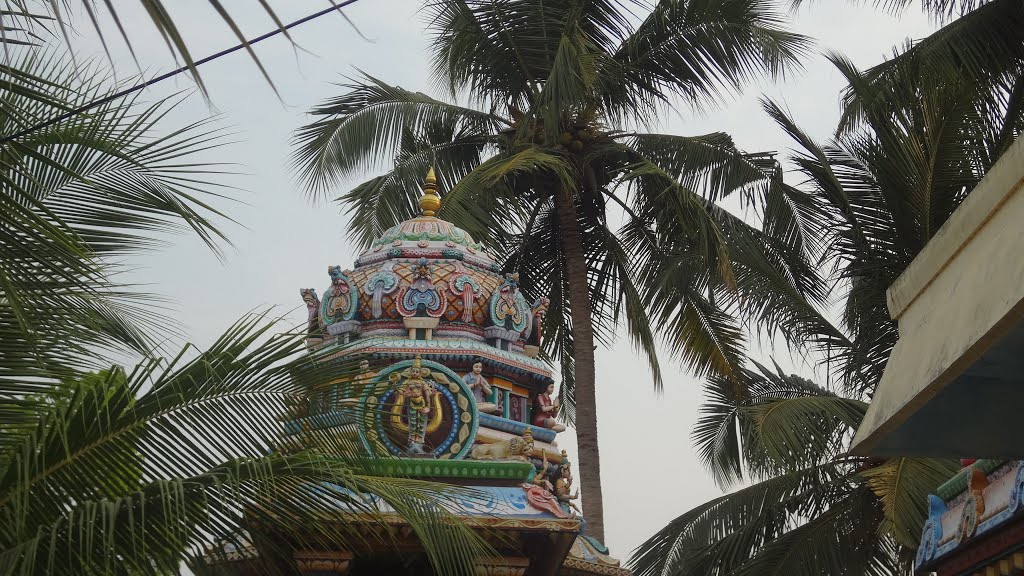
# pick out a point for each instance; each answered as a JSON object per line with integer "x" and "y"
{"x": 650, "y": 471}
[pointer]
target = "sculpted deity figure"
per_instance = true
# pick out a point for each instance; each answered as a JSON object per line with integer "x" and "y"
{"x": 418, "y": 394}
{"x": 564, "y": 485}
{"x": 313, "y": 323}
{"x": 359, "y": 385}
{"x": 476, "y": 382}
{"x": 540, "y": 478}
{"x": 507, "y": 306}
{"x": 539, "y": 493}
{"x": 312, "y": 309}
{"x": 537, "y": 313}
{"x": 545, "y": 409}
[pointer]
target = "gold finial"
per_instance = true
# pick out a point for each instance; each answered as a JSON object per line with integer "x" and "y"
{"x": 417, "y": 362}
{"x": 430, "y": 202}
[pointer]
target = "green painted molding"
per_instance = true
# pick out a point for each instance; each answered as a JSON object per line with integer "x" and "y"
{"x": 958, "y": 483}
{"x": 430, "y": 468}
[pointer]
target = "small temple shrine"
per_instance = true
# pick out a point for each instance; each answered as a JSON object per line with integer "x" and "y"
{"x": 450, "y": 389}
{"x": 975, "y": 524}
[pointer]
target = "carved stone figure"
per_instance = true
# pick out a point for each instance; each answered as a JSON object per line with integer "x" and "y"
{"x": 476, "y": 382}
{"x": 296, "y": 407}
{"x": 359, "y": 385}
{"x": 512, "y": 449}
{"x": 312, "y": 310}
{"x": 540, "y": 478}
{"x": 417, "y": 393}
{"x": 545, "y": 409}
{"x": 537, "y": 313}
{"x": 564, "y": 485}
{"x": 540, "y": 493}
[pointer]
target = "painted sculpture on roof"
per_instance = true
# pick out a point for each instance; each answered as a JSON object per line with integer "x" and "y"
{"x": 384, "y": 282}
{"x": 421, "y": 297}
{"x": 481, "y": 389}
{"x": 563, "y": 486}
{"x": 537, "y": 313}
{"x": 312, "y": 310}
{"x": 511, "y": 449}
{"x": 416, "y": 394}
{"x": 339, "y": 301}
{"x": 545, "y": 410}
{"x": 508, "y": 307}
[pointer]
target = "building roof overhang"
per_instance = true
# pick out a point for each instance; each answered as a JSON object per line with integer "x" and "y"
{"x": 953, "y": 384}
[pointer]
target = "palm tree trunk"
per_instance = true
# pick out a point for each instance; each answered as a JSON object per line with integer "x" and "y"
{"x": 589, "y": 464}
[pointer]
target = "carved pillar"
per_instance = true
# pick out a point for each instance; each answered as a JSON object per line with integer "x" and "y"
{"x": 420, "y": 327}
{"x": 501, "y": 338}
{"x": 344, "y": 330}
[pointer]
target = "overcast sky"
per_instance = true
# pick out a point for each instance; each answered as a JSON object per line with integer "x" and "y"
{"x": 650, "y": 471}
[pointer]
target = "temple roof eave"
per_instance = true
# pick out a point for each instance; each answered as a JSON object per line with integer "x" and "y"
{"x": 442, "y": 349}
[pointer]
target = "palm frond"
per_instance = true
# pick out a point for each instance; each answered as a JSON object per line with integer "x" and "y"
{"x": 840, "y": 540}
{"x": 700, "y": 50}
{"x": 186, "y": 462}
{"x": 763, "y": 422}
{"x": 32, "y": 22}
{"x": 902, "y": 485}
{"x": 480, "y": 47}
{"x": 981, "y": 49}
{"x": 363, "y": 129}
{"x": 720, "y": 535}
{"x": 84, "y": 189}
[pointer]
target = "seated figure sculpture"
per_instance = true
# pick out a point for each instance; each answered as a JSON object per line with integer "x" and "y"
{"x": 545, "y": 409}
{"x": 481, "y": 390}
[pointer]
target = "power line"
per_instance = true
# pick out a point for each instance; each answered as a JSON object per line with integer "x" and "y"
{"x": 162, "y": 77}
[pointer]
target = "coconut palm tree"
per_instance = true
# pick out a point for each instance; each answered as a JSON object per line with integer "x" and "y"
{"x": 874, "y": 196}
{"x": 545, "y": 153}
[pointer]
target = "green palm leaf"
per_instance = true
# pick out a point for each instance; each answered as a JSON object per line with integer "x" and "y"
{"x": 903, "y": 485}
{"x": 118, "y": 474}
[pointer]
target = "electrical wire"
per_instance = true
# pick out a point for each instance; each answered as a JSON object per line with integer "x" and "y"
{"x": 127, "y": 91}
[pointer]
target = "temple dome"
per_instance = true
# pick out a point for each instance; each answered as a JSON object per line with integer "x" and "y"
{"x": 427, "y": 232}
{"x": 427, "y": 268}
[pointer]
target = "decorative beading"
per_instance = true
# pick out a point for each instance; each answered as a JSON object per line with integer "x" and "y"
{"x": 430, "y": 229}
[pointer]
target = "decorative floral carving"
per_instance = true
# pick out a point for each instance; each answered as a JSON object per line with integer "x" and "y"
{"x": 461, "y": 284}
{"x": 381, "y": 283}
